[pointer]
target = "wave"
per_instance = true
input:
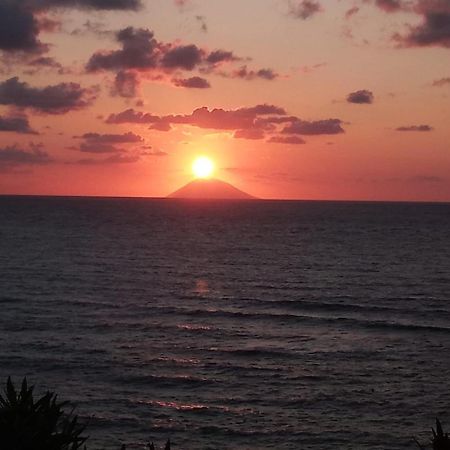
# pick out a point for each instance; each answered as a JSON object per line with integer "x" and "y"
{"x": 313, "y": 320}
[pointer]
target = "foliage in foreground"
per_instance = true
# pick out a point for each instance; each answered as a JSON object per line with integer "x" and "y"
{"x": 29, "y": 424}
{"x": 440, "y": 440}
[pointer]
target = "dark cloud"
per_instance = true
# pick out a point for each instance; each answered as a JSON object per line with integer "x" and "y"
{"x": 139, "y": 51}
{"x": 125, "y": 138}
{"x": 56, "y": 99}
{"x": 126, "y": 84}
{"x": 351, "y": 12}
{"x": 142, "y": 53}
{"x": 221, "y": 56}
{"x": 185, "y": 57}
{"x": 106, "y": 143}
{"x": 296, "y": 140}
{"x": 318, "y": 127}
{"x": 264, "y": 110}
{"x": 441, "y": 82}
{"x": 304, "y": 9}
{"x": 109, "y": 5}
{"x": 132, "y": 116}
{"x": 13, "y": 156}
{"x": 245, "y": 74}
{"x": 21, "y": 21}
{"x": 434, "y": 29}
{"x": 220, "y": 119}
{"x": 361, "y": 97}
{"x": 193, "y": 82}
{"x": 17, "y": 124}
{"x": 19, "y": 28}
{"x": 390, "y": 5}
{"x": 45, "y": 61}
{"x": 254, "y": 122}
{"x": 202, "y": 21}
{"x": 415, "y": 128}
{"x": 93, "y": 147}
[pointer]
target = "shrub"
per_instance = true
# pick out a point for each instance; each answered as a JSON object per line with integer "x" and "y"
{"x": 29, "y": 424}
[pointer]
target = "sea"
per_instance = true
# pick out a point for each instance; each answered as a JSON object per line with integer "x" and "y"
{"x": 231, "y": 324}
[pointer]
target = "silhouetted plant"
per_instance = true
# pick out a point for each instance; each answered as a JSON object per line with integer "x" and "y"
{"x": 151, "y": 446}
{"x": 440, "y": 440}
{"x": 29, "y": 424}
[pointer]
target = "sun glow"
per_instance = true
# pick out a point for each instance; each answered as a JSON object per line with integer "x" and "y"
{"x": 203, "y": 167}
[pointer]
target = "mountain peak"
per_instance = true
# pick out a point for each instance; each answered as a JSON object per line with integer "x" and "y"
{"x": 210, "y": 189}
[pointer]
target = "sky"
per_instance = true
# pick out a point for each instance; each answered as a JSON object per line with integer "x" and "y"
{"x": 291, "y": 99}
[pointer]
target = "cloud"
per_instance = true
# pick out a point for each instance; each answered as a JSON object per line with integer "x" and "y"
{"x": 57, "y": 99}
{"x": 434, "y": 29}
{"x": 220, "y": 119}
{"x": 126, "y": 84}
{"x": 254, "y": 122}
{"x": 415, "y": 128}
{"x": 221, "y": 56}
{"x": 202, "y": 21}
{"x": 19, "y": 28}
{"x": 17, "y": 124}
{"x": 312, "y": 68}
{"x": 249, "y": 75}
{"x": 250, "y": 133}
{"x": 318, "y": 127}
{"x": 21, "y": 21}
{"x": 361, "y": 97}
{"x": 125, "y": 138}
{"x": 143, "y": 55}
{"x": 93, "y": 147}
{"x": 113, "y": 159}
{"x": 132, "y": 116}
{"x": 193, "y": 82}
{"x": 304, "y": 9}
{"x": 13, "y": 156}
{"x": 46, "y": 61}
{"x": 351, "y": 12}
{"x": 296, "y": 140}
{"x": 264, "y": 110}
{"x": 185, "y": 57}
{"x": 441, "y": 82}
{"x": 181, "y": 3}
{"x": 106, "y": 143}
{"x": 390, "y": 5}
{"x": 109, "y": 5}
{"x": 141, "y": 51}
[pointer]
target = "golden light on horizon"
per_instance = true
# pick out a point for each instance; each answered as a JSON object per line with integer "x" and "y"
{"x": 203, "y": 167}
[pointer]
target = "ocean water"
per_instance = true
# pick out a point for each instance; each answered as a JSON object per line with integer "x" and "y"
{"x": 231, "y": 325}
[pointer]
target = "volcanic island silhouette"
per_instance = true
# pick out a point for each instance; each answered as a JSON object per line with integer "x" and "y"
{"x": 210, "y": 188}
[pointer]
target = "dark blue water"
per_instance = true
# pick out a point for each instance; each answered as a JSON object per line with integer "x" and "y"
{"x": 226, "y": 325}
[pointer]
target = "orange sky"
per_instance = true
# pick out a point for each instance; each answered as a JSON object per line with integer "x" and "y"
{"x": 292, "y": 99}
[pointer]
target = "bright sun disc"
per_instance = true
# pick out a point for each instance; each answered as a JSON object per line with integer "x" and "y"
{"x": 203, "y": 167}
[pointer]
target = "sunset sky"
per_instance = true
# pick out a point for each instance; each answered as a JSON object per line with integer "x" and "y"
{"x": 291, "y": 99}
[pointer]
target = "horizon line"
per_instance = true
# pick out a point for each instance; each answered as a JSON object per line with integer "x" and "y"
{"x": 123, "y": 197}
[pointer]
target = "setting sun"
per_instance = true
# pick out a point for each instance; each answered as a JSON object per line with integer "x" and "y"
{"x": 203, "y": 167}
